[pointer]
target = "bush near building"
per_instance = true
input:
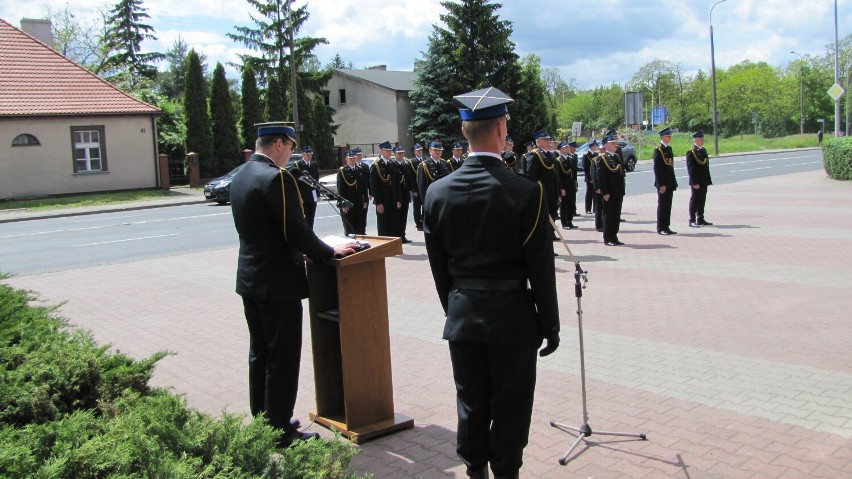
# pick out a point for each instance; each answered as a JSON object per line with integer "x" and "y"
{"x": 837, "y": 157}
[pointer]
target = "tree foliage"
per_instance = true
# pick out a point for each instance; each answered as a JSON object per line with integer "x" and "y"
{"x": 252, "y": 111}
{"x": 323, "y": 140}
{"x": 435, "y": 117}
{"x": 198, "y": 135}
{"x": 123, "y": 40}
{"x": 223, "y": 120}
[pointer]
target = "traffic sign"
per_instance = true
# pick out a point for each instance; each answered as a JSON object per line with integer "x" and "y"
{"x": 836, "y": 91}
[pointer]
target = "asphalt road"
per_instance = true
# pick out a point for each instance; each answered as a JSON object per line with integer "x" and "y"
{"x": 59, "y": 244}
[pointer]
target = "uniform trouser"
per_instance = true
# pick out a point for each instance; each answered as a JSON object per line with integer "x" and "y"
{"x": 385, "y": 221}
{"x": 310, "y": 213}
{"x": 590, "y": 196}
{"x": 664, "y": 209}
{"x": 275, "y": 351}
{"x": 612, "y": 217}
{"x": 696, "y": 203}
{"x": 400, "y": 221}
{"x": 351, "y": 219}
{"x": 599, "y": 224}
{"x": 553, "y": 209}
{"x": 417, "y": 204}
{"x": 495, "y": 386}
{"x": 361, "y": 227}
{"x": 567, "y": 208}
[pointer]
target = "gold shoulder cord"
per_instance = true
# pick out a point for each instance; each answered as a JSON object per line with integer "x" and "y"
{"x": 562, "y": 167}
{"x": 411, "y": 165}
{"x": 384, "y": 179}
{"x": 343, "y": 175}
{"x": 426, "y": 168}
{"x": 538, "y": 214}
{"x": 667, "y": 161}
{"x": 541, "y": 160}
{"x": 605, "y": 161}
{"x": 697, "y": 159}
{"x": 284, "y": 198}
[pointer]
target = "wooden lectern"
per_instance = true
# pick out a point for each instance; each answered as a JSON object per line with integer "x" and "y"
{"x": 351, "y": 343}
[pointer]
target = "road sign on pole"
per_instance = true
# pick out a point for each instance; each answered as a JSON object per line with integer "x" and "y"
{"x": 836, "y": 91}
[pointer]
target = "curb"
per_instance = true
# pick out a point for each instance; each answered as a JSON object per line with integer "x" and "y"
{"x": 104, "y": 209}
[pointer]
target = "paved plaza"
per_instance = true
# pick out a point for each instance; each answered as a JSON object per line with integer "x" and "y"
{"x": 730, "y": 346}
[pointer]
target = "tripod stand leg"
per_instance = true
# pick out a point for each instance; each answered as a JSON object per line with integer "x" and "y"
{"x": 564, "y": 459}
{"x": 640, "y": 435}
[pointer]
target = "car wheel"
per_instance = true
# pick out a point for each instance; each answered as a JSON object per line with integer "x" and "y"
{"x": 631, "y": 163}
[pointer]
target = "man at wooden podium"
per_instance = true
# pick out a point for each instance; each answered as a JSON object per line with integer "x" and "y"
{"x": 271, "y": 279}
{"x": 488, "y": 237}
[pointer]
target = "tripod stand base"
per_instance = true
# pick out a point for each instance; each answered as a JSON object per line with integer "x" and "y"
{"x": 585, "y": 431}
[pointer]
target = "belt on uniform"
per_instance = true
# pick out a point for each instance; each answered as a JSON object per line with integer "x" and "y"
{"x": 489, "y": 284}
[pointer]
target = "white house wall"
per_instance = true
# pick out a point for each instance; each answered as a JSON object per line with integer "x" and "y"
{"x": 371, "y": 113}
{"x": 48, "y": 169}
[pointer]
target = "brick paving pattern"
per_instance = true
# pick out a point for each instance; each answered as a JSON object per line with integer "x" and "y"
{"x": 728, "y": 345}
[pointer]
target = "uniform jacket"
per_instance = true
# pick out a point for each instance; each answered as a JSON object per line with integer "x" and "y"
{"x": 486, "y": 222}
{"x": 589, "y": 166}
{"x": 273, "y": 233}
{"x": 454, "y": 164}
{"x": 609, "y": 176}
{"x": 664, "y": 173}
{"x": 698, "y": 166}
{"x": 511, "y": 160}
{"x": 413, "y": 166}
{"x": 382, "y": 185}
{"x": 542, "y": 167}
{"x": 311, "y": 169}
{"x": 352, "y": 186}
{"x": 429, "y": 171}
{"x": 405, "y": 176}
{"x": 568, "y": 173}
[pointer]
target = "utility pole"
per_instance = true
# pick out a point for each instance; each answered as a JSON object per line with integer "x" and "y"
{"x": 713, "y": 74}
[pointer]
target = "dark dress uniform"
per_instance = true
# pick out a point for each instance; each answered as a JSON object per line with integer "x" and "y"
{"x": 454, "y": 163}
{"x": 589, "y": 178}
{"x": 351, "y": 185}
{"x": 542, "y": 167}
{"x": 664, "y": 175}
{"x": 362, "y": 220}
{"x": 266, "y": 206}
{"x": 416, "y": 199}
{"x": 698, "y": 168}
{"x": 610, "y": 180}
{"x": 402, "y": 184}
{"x": 568, "y": 181}
{"x": 309, "y": 194}
{"x": 511, "y": 160}
{"x": 430, "y": 170}
{"x": 384, "y": 192}
{"x": 487, "y": 234}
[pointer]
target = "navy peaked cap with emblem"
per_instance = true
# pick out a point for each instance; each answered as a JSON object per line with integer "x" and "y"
{"x": 457, "y": 146}
{"x": 398, "y": 148}
{"x": 562, "y": 145}
{"x": 542, "y": 134}
{"x": 385, "y": 146}
{"x": 612, "y": 133}
{"x": 417, "y": 146}
{"x": 666, "y": 132}
{"x": 349, "y": 153}
{"x": 593, "y": 142}
{"x": 572, "y": 144}
{"x": 698, "y": 134}
{"x": 277, "y": 128}
{"x": 483, "y": 104}
{"x": 531, "y": 144}
{"x": 436, "y": 145}
{"x": 509, "y": 139}
{"x": 307, "y": 149}
{"x": 357, "y": 150}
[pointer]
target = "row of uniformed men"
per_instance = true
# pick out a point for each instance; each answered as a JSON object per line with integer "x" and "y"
{"x": 395, "y": 184}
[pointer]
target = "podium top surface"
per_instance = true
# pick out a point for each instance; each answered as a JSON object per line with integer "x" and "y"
{"x": 380, "y": 247}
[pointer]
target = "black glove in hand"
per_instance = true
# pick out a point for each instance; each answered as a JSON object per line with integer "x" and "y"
{"x": 552, "y": 344}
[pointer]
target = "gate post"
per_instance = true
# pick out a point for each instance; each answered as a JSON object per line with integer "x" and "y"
{"x": 247, "y": 154}
{"x": 194, "y": 169}
{"x": 165, "y": 182}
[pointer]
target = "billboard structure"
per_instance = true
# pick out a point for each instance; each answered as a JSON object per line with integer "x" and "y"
{"x": 633, "y": 108}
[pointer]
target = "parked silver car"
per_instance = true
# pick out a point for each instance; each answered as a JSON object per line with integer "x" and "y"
{"x": 627, "y": 149}
{"x": 330, "y": 181}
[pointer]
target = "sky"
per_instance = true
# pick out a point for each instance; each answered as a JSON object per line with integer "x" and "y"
{"x": 592, "y": 42}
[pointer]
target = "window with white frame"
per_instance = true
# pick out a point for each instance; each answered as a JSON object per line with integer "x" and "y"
{"x": 89, "y": 149}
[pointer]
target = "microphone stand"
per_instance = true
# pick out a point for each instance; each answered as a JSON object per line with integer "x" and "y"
{"x": 585, "y": 430}
{"x": 344, "y": 203}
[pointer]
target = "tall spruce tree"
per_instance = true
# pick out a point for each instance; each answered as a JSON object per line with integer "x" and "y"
{"x": 251, "y": 106}
{"x": 472, "y": 52}
{"x": 226, "y": 145}
{"x": 530, "y": 111}
{"x": 126, "y": 64}
{"x": 198, "y": 137}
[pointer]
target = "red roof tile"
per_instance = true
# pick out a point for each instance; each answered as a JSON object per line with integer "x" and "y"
{"x": 35, "y": 80}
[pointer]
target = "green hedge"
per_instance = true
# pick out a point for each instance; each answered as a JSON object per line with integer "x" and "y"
{"x": 70, "y": 408}
{"x": 837, "y": 157}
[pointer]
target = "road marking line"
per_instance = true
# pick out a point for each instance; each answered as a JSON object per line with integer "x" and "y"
{"x": 751, "y": 169}
{"x": 87, "y": 228}
{"x": 123, "y": 240}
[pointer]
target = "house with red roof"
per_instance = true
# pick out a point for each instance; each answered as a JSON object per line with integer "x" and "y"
{"x": 64, "y": 130}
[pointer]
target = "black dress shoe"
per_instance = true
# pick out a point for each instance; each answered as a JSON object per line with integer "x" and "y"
{"x": 419, "y": 228}
{"x": 569, "y": 227}
{"x": 663, "y": 232}
{"x": 406, "y": 240}
{"x": 693, "y": 224}
{"x": 671, "y": 232}
{"x": 622, "y": 220}
{"x": 588, "y": 212}
{"x": 618, "y": 243}
{"x": 290, "y": 437}
{"x": 611, "y": 243}
{"x": 704, "y": 223}
{"x": 600, "y": 230}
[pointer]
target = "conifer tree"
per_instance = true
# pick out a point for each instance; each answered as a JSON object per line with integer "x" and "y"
{"x": 198, "y": 137}
{"x": 275, "y": 110}
{"x": 324, "y": 149}
{"x": 252, "y": 110}
{"x": 226, "y": 145}
{"x": 123, "y": 40}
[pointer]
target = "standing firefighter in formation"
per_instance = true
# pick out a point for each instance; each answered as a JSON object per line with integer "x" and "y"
{"x": 698, "y": 168}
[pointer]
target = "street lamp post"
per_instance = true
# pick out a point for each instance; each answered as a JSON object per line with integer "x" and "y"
{"x": 801, "y": 92}
{"x": 713, "y": 75}
{"x": 294, "y": 98}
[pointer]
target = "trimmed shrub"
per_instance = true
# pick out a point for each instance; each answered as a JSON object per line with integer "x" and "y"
{"x": 70, "y": 408}
{"x": 837, "y": 157}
